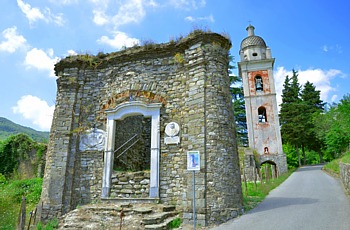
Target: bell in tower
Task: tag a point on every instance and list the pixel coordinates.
(258, 84)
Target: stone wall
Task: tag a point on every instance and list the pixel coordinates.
(344, 170)
(90, 177)
(190, 79)
(130, 184)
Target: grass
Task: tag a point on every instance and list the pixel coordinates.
(253, 195)
(11, 193)
(346, 158)
(52, 224)
(333, 166)
(175, 223)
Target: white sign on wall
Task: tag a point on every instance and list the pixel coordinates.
(193, 161)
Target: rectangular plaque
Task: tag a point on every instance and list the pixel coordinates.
(172, 140)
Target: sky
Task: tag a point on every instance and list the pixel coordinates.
(310, 36)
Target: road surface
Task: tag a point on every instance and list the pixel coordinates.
(308, 199)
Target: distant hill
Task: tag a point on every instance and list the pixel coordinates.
(8, 128)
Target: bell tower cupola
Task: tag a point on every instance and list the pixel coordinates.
(254, 47)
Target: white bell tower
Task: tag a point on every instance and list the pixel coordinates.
(256, 69)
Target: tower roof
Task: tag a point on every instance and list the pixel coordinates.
(252, 40)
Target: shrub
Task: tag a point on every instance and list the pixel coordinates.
(2, 179)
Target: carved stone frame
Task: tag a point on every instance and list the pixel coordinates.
(118, 113)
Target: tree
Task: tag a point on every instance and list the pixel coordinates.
(333, 128)
(311, 105)
(291, 112)
(238, 106)
(240, 119)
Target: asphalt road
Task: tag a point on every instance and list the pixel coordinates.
(308, 199)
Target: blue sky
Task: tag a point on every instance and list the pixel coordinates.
(308, 35)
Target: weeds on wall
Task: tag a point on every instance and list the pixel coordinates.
(179, 58)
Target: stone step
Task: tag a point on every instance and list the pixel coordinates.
(143, 210)
(161, 226)
(169, 208)
(157, 218)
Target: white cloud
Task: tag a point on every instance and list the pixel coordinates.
(188, 4)
(333, 48)
(152, 3)
(13, 40)
(36, 110)
(100, 18)
(126, 12)
(119, 40)
(325, 48)
(320, 78)
(72, 53)
(41, 60)
(209, 18)
(64, 2)
(34, 14)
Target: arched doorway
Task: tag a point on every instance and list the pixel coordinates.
(124, 110)
(268, 170)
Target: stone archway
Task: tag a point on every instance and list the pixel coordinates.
(120, 112)
(268, 169)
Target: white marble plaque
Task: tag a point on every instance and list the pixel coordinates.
(92, 139)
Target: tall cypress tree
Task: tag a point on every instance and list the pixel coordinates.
(311, 106)
(291, 112)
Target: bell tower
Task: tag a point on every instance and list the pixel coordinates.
(256, 69)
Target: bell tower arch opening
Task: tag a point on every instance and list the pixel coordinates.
(262, 114)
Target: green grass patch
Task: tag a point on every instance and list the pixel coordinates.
(11, 193)
(333, 166)
(175, 223)
(346, 158)
(254, 194)
(52, 224)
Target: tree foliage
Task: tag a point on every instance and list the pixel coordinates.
(238, 107)
(299, 107)
(333, 128)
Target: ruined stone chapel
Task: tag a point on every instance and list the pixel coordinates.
(124, 123)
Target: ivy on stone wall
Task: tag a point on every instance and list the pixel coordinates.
(19, 149)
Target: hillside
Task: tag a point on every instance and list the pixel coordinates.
(8, 128)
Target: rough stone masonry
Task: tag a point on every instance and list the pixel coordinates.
(188, 81)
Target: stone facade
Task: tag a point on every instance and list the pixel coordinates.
(256, 70)
(189, 84)
(344, 170)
